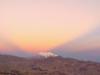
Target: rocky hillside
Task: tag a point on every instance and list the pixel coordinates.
(11, 65)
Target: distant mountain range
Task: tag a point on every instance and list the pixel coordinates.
(86, 47)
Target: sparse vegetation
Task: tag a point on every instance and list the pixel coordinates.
(49, 66)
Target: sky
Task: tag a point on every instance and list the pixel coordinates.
(39, 25)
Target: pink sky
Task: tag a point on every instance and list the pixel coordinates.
(38, 25)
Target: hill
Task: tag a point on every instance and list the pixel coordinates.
(48, 66)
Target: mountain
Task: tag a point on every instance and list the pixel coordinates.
(48, 66)
(10, 48)
(17, 52)
(47, 54)
(10, 58)
(86, 47)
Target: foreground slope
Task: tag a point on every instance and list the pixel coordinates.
(47, 66)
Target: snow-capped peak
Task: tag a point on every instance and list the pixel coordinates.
(47, 54)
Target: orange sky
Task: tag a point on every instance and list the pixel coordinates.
(41, 25)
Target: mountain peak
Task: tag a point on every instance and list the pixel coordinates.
(48, 54)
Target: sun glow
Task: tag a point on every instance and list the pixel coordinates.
(40, 26)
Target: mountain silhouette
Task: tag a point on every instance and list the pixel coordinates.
(86, 47)
(12, 49)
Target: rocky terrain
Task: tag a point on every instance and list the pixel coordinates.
(12, 65)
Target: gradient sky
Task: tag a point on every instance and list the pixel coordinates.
(39, 25)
